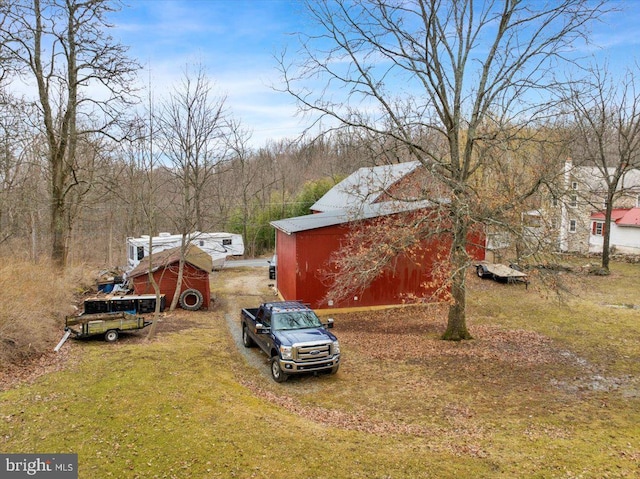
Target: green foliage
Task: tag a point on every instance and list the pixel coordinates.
(254, 224)
(311, 192)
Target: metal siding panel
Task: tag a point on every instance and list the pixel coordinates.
(306, 254)
(314, 250)
(286, 269)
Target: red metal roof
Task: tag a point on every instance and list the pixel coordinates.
(621, 216)
(631, 218)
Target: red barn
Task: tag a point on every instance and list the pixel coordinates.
(195, 291)
(305, 244)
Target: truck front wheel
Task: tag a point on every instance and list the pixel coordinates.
(246, 339)
(276, 371)
(111, 336)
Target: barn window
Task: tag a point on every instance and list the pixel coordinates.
(573, 226)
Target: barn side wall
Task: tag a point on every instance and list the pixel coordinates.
(286, 269)
(167, 279)
(305, 261)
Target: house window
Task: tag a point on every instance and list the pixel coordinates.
(554, 223)
(598, 228)
(574, 185)
(554, 201)
(572, 226)
(573, 201)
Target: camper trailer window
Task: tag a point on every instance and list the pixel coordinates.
(201, 242)
(140, 252)
(226, 242)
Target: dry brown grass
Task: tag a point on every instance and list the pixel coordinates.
(34, 298)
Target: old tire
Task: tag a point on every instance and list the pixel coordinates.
(111, 336)
(246, 339)
(276, 371)
(191, 300)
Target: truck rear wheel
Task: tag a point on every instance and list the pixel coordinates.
(276, 371)
(111, 336)
(246, 339)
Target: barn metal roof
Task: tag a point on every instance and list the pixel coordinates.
(365, 185)
(338, 217)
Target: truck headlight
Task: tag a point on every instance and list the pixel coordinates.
(336, 347)
(285, 352)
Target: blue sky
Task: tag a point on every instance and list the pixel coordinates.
(236, 40)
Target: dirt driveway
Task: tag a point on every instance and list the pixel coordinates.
(244, 288)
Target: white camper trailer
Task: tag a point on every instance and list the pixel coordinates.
(218, 245)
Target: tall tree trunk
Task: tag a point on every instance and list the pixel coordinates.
(607, 233)
(457, 322)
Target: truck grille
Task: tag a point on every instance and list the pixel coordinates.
(312, 351)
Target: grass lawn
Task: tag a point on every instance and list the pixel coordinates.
(549, 388)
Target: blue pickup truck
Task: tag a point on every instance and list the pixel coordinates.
(293, 337)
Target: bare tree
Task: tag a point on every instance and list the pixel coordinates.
(192, 134)
(465, 75)
(62, 48)
(606, 115)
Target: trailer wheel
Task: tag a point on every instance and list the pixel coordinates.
(191, 300)
(276, 371)
(111, 336)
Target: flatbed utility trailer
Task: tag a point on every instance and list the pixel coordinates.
(501, 272)
(107, 324)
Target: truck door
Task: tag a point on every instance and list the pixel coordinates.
(264, 317)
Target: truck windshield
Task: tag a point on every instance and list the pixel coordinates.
(294, 320)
